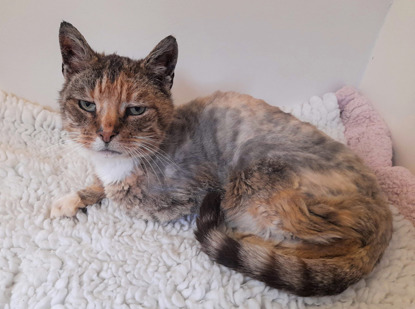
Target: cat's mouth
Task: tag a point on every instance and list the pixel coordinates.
(108, 152)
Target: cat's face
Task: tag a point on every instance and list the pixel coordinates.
(112, 105)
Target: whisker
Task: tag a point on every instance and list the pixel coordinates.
(152, 168)
(144, 157)
(131, 154)
(162, 155)
(68, 148)
(154, 161)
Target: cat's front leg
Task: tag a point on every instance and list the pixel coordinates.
(68, 205)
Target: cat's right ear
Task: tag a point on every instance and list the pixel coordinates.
(161, 62)
(76, 53)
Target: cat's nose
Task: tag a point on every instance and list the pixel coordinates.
(107, 136)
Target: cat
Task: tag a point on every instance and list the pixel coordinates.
(276, 199)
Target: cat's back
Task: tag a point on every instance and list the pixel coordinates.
(230, 105)
(232, 120)
(242, 114)
(235, 130)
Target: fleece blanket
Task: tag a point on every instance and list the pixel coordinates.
(105, 259)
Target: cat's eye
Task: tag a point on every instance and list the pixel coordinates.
(87, 106)
(136, 110)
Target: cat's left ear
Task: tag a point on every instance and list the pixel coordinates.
(161, 62)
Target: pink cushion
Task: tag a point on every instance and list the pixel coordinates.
(368, 135)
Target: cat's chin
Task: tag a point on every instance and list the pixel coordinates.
(112, 168)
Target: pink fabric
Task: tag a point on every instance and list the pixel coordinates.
(368, 135)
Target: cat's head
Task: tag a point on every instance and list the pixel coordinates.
(113, 105)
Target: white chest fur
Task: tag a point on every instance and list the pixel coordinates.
(112, 169)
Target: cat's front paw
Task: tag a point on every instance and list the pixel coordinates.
(66, 206)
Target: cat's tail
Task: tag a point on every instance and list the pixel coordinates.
(299, 270)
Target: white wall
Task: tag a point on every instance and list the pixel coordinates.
(279, 50)
(390, 79)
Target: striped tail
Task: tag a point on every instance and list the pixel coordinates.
(295, 270)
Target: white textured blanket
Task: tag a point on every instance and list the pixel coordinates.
(104, 259)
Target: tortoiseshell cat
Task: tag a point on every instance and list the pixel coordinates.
(277, 199)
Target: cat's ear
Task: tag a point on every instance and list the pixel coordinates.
(76, 53)
(161, 62)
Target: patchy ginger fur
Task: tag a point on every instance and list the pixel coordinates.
(277, 199)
